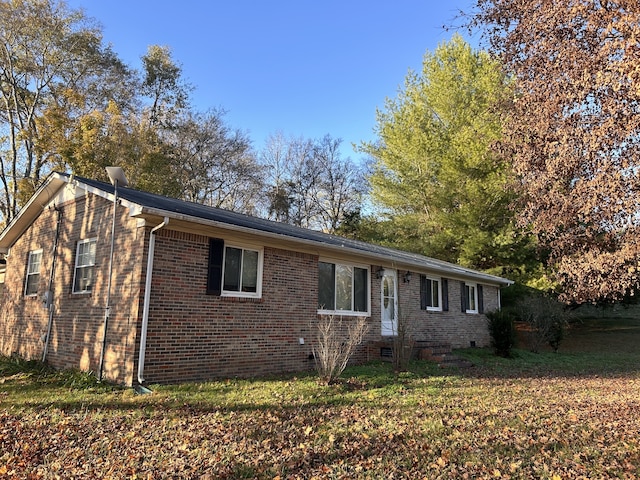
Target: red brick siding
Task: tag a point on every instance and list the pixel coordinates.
(76, 337)
(191, 335)
(453, 326)
(195, 336)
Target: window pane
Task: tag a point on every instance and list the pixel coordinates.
(250, 271)
(344, 286)
(232, 259)
(326, 286)
(388, 297)
(34, 262)
(471, 297)
(435, 293)
(84, 279)
(360, 289)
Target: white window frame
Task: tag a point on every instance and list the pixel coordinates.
(439, 280)
(30, 273)
(468, 287)
(351, 312)
(233, 293)
(87, 265)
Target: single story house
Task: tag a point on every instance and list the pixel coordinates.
(145, 288)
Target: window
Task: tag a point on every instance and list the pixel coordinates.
(33, 273)
(85, 264)
(343, 288)
(234, 270)
(472, 301)
(3, 269)
(430, 294)
(240, 273)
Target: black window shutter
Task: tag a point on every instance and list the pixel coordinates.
(480, 300)
(445, 295)
(463, 296)
(423, 292)
(214, 275)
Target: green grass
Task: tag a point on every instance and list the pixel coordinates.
(572, 414)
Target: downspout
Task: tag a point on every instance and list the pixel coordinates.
(48, 300)
(147, 299)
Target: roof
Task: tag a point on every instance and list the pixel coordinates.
(151, 204)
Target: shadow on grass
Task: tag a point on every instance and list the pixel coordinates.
(587, 352)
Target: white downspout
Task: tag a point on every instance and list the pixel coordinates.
(147, 299)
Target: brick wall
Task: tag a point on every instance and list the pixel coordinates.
(195, 336)
(454, 327)
(191, 335)
(77, 329)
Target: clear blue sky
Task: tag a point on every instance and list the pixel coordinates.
(305, 68)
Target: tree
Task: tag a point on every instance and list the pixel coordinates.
(164, 86)
(433, 169)
(52, 62)
(309, 183)
(574, 133)
(215, 164)
(341, 184)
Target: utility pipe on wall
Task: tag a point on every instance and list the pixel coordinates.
(48, 301)
(147, 299)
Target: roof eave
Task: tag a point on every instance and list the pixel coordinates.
(29, 212)
(459, 272)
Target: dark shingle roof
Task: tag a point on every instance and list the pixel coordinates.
(196, 212)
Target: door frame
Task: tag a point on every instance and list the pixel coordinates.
(389, 327)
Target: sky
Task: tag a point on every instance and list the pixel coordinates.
(303, 68)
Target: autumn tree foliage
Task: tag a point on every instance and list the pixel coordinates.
(573, 133)
(54, 69)
(68, 103)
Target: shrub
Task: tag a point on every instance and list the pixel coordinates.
(402, 345)
(332, 350)
(546, 318)
(502, 331)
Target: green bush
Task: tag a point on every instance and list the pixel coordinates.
(502, 331)
(546, 318)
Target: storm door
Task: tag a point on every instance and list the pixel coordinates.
(389, 303)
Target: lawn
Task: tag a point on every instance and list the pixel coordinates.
(574, 414)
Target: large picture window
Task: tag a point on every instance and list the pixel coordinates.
(343, 288)
(83, 276)
(33, 273)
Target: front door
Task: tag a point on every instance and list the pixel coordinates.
(389, 303)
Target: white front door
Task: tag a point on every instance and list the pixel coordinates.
(389, 303)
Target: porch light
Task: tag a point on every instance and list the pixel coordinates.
(407, 277)
(380, 273)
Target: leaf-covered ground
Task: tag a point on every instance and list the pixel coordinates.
(563, 416)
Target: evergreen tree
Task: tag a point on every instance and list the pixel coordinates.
(434, 171)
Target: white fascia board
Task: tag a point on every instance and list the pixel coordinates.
(430, 265)
(28, 213)
(134, 208)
